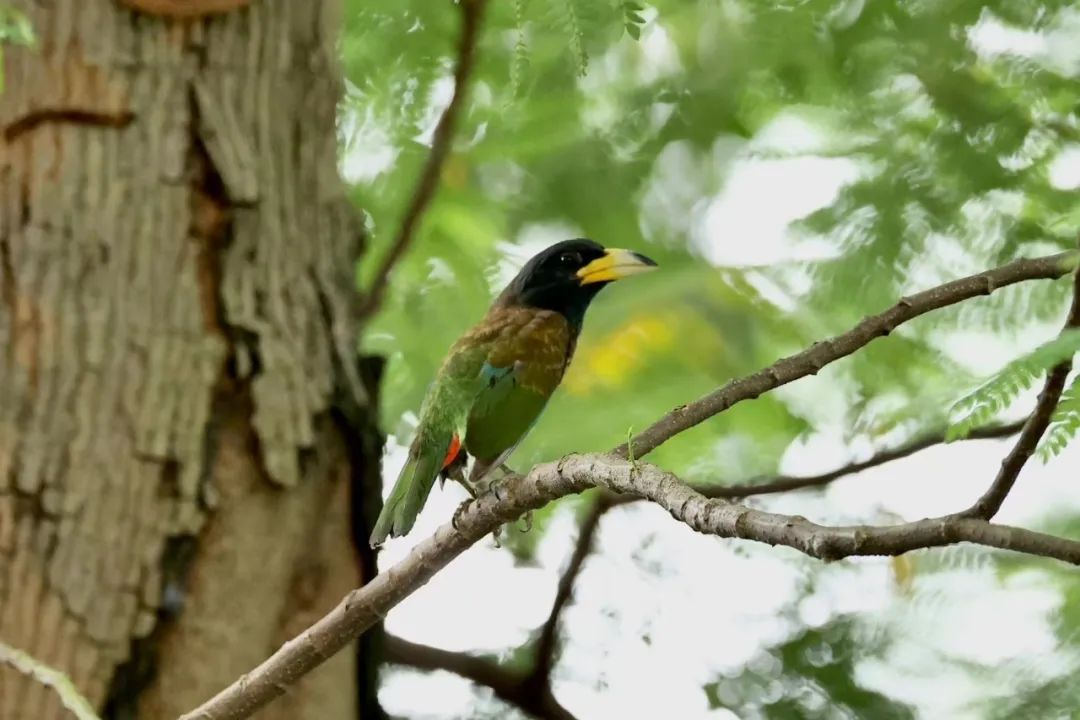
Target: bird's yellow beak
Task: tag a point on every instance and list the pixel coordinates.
(615, 264)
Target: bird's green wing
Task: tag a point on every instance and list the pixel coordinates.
(521, 371)
(442, 418)
(504, 411)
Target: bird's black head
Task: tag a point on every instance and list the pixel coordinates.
(566, 277)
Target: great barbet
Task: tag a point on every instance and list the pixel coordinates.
(498, 376)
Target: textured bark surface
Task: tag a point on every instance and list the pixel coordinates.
(185, 8)
(176, 290)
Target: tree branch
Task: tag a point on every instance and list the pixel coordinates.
(787, 483)
(545, 644)
(531, 693)
(988, 505)
(365, 606)
(475, 669)
(813, 359)
(509, 687)
(472, 12)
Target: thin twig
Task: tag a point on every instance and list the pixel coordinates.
(472, 12)
(540, 676)
(363, 607)
(990, 502)
(813, 359)
(787, 483)
(58, 682)
(505, 685)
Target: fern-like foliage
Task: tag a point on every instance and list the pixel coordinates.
(981, 406)
(520, 61)
(1065, 425)
(579, 27)
(632, 19)
(572, 27)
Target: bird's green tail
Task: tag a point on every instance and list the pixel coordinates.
(412, 488)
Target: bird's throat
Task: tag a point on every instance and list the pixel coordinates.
(569, 301)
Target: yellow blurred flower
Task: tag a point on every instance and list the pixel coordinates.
(611, 360)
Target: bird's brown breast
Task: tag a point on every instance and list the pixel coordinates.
(537, 343)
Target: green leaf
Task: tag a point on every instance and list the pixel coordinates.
(1064, 425)
(981, 406)
(58, 682)
(15, 27)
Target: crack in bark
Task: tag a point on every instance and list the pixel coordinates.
(8, 288)
(185, 9)
(33, 120)
(137, 673)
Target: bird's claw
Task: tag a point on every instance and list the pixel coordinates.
(528, 518)
(456, 519)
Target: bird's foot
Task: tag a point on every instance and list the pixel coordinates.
(527, 525)
(473, 487)
(456, 519)
(456, 472)
(455, 522)
(487, 485)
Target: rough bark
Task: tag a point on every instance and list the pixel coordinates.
(176, 351)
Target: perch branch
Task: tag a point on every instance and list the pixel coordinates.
(365, 606)
(988, 505)
(472, 12)
(532, 693)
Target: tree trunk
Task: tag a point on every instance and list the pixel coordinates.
(183, 424)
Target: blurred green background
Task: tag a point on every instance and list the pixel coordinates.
(793, 166)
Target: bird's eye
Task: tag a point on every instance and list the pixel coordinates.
(569, 259)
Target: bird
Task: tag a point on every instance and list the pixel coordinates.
(497, 378)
